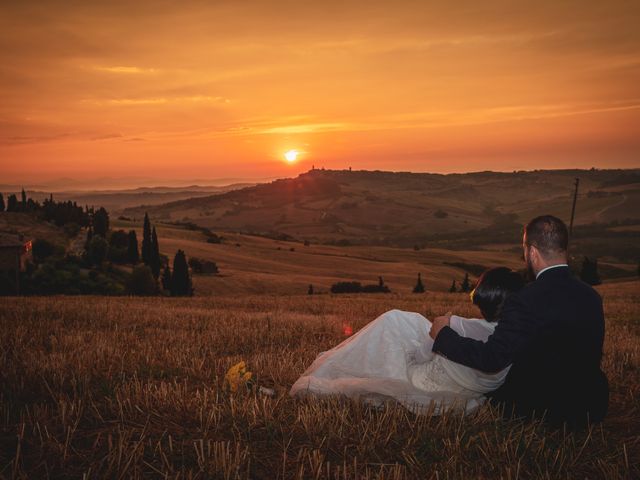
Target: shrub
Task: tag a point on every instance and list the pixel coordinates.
(118, 255)
(119, 239)
(357, 287)
(375, 288)
(214, 239)
(202, 266)
(141, 281)
(43, 249)
(97, 250)
(346, 287)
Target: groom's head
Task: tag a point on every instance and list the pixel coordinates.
(545, 242)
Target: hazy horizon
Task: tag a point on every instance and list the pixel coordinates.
(66, 184)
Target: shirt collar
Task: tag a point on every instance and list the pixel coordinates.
(549, 268)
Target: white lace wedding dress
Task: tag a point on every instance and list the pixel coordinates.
(378, 364)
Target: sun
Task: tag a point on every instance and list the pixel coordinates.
(291, 156)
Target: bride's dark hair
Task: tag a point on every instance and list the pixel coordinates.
(492, 288)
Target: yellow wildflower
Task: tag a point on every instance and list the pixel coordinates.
(237, 375)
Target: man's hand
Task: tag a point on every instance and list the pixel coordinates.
(438, 324)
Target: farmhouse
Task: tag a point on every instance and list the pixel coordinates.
(15, 252)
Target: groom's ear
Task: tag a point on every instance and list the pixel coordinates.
(535, 254)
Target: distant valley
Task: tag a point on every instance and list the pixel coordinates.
(405, 209)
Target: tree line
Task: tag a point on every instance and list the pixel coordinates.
(95, 267)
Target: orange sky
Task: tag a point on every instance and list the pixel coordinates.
(175, 91)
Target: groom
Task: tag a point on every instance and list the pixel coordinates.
(551, 333)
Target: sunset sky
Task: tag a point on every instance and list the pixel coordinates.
(169, 92)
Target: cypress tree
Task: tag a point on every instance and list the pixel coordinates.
(155, 254)
(453, 288)
(166, 278)
(310, 291)
(89, 237)
(101, 222)
(12, 203)
(180, 279)
(23, 199)
(466, 285)
(146, 241)
(97, 250)
(133, 255)
(1, 203)
(419, 288)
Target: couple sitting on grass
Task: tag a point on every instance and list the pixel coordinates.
(535, 353)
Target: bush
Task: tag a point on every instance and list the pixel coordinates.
(202, 266)
(97, 250)
(440, 214)
(346, 287)
(357, 287)
(213, 238)
(43, 249)
(119, 239)
(141, 281)
(118, 255)
(375, 288)
(64, 277)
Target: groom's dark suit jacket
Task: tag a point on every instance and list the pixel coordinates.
(552, 333)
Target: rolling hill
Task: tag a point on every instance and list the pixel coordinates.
(404, 209)
(116, 200)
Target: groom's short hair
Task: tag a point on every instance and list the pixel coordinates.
(548, 234)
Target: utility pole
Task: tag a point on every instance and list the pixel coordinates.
(573, 209)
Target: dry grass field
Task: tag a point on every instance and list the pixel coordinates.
(251, 264)
(106, 387)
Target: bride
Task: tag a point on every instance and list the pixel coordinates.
(391, 358)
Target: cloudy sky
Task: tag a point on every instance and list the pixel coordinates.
(185, 90)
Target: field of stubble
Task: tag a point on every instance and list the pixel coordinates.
(100, 387)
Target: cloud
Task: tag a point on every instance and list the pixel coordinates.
(125, 70)
(158, 100)
(303, 128)
(107, 136)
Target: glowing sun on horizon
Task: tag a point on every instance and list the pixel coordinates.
(291, 156)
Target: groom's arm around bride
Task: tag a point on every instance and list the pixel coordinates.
(551, 332)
